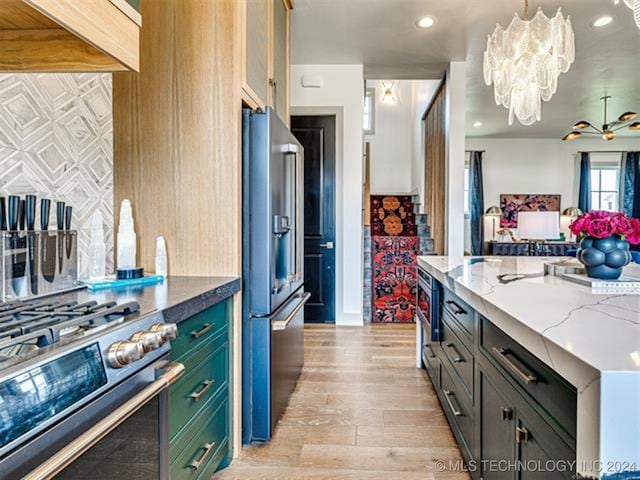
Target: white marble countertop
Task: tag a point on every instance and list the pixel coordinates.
(603, 331)
(591, 340)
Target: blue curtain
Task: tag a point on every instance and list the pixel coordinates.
(630, 183)
(634, 159)
(584, 196)
(476, 207)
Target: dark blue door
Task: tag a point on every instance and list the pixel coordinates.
(317, 134)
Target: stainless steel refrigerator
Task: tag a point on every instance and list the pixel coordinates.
(273, 282)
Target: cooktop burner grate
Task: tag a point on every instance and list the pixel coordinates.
(26, 326)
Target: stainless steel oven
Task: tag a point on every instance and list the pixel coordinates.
(83, 391)
(121, 435)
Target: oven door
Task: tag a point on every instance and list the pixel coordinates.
(122, 434)
(427, 306)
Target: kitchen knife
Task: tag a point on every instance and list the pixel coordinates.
(12, 212)
(32, 244)
(45, 207)
(47, 243)
(21, 215)
(68, 241)
(3, 213)
(60, 215)
(18, 260)
(30, 211)
(60, 208)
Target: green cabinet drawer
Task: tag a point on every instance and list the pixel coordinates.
(199, 328)
(206, 373)
(460, 311)
(207, 443)
(460, 357)
(458, 409)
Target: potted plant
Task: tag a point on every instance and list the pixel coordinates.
(606, 236)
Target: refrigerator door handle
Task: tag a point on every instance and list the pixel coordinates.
(283, 324)
(290, 148)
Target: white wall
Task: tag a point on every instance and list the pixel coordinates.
(391, 143)
(536, 166)
(455, 157)
(343, 92)
(397, 146)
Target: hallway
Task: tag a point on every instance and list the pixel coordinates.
(361, 411)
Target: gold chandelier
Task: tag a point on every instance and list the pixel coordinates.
(608, 130)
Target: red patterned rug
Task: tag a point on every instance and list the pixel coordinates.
(394, 279)
(393, 216)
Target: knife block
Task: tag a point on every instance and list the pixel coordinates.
(37, 263)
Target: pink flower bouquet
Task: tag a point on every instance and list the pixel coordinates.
(600, 224)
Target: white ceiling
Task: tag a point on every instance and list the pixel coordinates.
(381, 34)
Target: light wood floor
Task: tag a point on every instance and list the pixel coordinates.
(361, 411)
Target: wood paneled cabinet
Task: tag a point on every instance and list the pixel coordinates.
(266, 51)
(69, 35)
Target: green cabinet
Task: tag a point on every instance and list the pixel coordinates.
(199, 403)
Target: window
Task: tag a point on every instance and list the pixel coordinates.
(369, 117)
(605, 181)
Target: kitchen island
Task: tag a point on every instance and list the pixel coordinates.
(559, 345)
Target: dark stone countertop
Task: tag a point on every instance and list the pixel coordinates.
(178, 298)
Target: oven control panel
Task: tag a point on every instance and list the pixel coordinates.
(125, 352)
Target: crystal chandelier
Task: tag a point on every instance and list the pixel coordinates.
(635, 6)
(525, 60)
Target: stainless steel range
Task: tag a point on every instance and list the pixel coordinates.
(83, 390)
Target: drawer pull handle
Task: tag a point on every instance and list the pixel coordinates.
(456, 411)
(206, 385)
(501, 354)
(458, 309)
(522, 435)
(430, 350)
(507, 414)
(457, 357)
(205, 328)
(208, 448)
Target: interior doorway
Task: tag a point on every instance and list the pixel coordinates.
(317, 134)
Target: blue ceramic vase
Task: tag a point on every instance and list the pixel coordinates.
(604, 258)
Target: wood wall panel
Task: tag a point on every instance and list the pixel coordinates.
(435, 168)
(177, 146)
(177, 127)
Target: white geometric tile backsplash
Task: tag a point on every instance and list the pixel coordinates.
(56, 141)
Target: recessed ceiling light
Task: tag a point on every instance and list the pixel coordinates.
(477, 124)
(602, 21)
(426, 22)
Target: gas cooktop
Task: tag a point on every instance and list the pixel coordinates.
(26, 327)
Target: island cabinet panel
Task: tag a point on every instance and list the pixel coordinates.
(199, 403)
(515, 433)
(503, 403)
(550, 391)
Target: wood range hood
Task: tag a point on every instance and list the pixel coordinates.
(69, 36)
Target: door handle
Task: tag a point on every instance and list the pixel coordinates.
(328, 245)
(280, 325)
